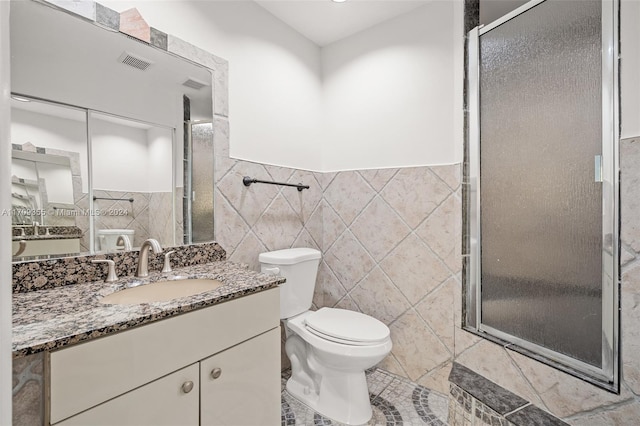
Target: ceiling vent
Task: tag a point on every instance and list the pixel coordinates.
(194, 84)
(134, 61)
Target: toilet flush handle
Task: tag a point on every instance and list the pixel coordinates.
(273, 270)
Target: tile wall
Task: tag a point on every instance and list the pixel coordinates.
(149, 215)
(390, 242)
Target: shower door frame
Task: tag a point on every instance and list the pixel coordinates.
(606, 377)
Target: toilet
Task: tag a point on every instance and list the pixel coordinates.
(329, 349)
(108, 239)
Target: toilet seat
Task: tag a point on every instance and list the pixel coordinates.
(346, 327)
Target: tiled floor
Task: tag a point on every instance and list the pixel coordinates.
(395, 400)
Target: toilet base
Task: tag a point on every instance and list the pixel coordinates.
(343, 397)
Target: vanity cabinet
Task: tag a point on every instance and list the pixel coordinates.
(41, 247)
(163, 402)
(161, 373)
(230, 379)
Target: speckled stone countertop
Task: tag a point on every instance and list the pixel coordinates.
(45, 237)
(54, 318)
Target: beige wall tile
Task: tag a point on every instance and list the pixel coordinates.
(230, 228)
(414, 268)
(415, 346)
(347, 303)
(377, 178)
(250, 202)
(437, 379)
(391, 364)
(332, 228)
(277, 173)
(328, 289)
(348, 194)
(442, 232)
(303, 202)
(625, 414)
(414, 193)
(379, 229)
(248, 251)
(305, 240)
(463, 340)
(436, 310)
(630, 192)
(630, 330)
(450, 174)
(563, 394)
(349, 260)
(377, 296)
(314, 225)
(279, 225)
(492, 361)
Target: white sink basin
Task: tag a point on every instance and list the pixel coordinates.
(160, 291)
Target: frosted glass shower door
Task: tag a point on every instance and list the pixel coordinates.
(202, 182)
(540, 193)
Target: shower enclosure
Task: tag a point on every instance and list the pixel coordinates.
(198, 193)
(543, 174)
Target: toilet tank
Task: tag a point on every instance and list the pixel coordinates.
(300, 267)
(107, 238)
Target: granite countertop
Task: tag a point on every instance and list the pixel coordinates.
(45, 237)
(50, 319)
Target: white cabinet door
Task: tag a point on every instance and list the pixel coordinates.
(247, 389)
(88, 374)
(171, 400)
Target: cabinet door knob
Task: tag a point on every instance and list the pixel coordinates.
(187, 386)
(216, 372)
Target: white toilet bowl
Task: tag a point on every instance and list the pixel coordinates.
(329, 349)
(328, 370)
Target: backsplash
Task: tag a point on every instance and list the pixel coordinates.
(44, 274)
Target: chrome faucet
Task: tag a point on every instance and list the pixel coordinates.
(143, 256)
(124, 242)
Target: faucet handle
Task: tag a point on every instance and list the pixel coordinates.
(167, 261)
(111, 275)
(22, 245)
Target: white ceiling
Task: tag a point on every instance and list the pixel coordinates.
(324, 22)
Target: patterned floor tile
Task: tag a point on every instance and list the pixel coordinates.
(395, 401)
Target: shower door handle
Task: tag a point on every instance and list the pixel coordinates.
(598, 168)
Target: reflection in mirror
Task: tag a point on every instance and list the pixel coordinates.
(47, 177)
(133, 182)
(200, 139)
(84, 68)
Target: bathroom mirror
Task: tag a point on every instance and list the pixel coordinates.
(133, 182)
(82, 76)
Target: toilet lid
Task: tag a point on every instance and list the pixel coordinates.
(349, 326)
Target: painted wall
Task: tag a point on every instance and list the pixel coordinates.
(274, 84)
(43, 130)
(389, 93)
(387, 97)
(122, 151)
(630, 83)
(159, 157)
(131, 159)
